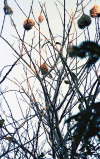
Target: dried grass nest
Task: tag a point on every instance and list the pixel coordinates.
(95, 11)
(28, 24)
(84, 21)
(40, 18)
(70, 50)
(7, 9)
(44, 68)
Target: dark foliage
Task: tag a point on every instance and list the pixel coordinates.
(87, 126)
(87, 49)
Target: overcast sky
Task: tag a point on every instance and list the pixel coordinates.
(7, 55)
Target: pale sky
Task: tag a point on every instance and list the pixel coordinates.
(7, 54)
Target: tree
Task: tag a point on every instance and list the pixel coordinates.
(58, 95)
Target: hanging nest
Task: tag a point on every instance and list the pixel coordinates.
(73, 51)
(44, 68)
(40, 18)
(70, 50)
(7, 9)
(84, 21)
(95, 11)
(28, 24)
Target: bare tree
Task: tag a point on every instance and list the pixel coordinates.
(58, 97)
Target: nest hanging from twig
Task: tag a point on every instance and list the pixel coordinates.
(40, 18)
(44, 68)
(84, 21)
(7, 9)
(70, 50)
(28, 24)
(95, 11)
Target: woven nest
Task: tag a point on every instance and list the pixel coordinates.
(70, 49)
(40, 18)
(95, 11)
(84, 21)
(44, 68)
(28, 24)
(7, 10)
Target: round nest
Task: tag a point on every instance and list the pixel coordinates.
(40, 18)
(28, 24)
(95, 11)
(70, 49)
(44, 68)
(84, 21)
(7, 10)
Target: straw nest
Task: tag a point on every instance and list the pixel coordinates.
(40, 18)
(28, 24)
(44, 68)
(70, 49)
(95, 11)
(7, 10)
